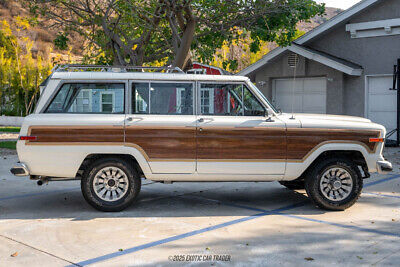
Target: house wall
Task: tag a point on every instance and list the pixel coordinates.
(345, 93)
(279, 68)
(377, 55)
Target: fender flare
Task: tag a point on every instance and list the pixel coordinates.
(295, 168)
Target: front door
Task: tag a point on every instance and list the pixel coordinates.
(162, 125)
(233, 135)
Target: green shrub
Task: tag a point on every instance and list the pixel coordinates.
(9, 144)
(10, 129)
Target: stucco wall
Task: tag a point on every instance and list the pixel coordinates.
(376, 55)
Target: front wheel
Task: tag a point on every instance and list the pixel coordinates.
(110, 184)
(334, 184)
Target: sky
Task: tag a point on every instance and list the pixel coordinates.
(343, 4)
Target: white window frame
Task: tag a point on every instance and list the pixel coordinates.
(211, 99)
(80, 96)
(179, 99)
(139, 102)
(101, 100)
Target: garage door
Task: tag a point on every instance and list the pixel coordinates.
(309, 95)
(382, 102)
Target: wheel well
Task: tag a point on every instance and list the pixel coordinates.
(92, 157)
(355, 156)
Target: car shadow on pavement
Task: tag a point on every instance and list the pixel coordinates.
(177, 200)
(158, 201)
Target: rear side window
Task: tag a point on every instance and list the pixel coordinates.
(162, 98)
(89, 98)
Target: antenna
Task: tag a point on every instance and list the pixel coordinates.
(293, 61)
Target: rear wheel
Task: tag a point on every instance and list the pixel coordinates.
(110, 184)
(334, 184)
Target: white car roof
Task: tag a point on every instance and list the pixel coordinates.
(148, 76)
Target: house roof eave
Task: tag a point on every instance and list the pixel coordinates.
(313, 34)
(348, 68)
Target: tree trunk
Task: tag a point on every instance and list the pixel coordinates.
(181, 56)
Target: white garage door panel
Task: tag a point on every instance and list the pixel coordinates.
(382, 102)
(315, 85)
(287, 102)
(309, 95)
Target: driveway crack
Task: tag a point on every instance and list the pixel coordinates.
(40, 250)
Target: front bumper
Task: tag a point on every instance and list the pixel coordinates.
(384, 166)
(20, 169)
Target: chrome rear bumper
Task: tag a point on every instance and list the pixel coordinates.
(19, 169)
(384, 166)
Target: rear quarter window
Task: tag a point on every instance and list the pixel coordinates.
(104, 98)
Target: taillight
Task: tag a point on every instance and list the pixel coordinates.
(377, 140)
(27, 138)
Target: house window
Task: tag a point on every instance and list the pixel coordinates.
(83, 102)
(207, 100)
(107, 102)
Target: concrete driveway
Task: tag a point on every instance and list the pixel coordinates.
(215, 224)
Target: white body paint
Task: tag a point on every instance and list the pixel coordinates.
(65, 160)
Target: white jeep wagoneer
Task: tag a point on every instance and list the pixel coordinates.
(109, 127)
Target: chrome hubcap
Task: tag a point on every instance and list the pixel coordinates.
(110, 184)
(336, 184)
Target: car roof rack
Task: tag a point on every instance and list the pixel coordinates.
(104, 68)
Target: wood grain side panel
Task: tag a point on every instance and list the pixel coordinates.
(70, 134)
(245, 143)
(213, 143)
(164, 143)
(301, 141)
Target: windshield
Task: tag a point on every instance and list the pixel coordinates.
(263, 96)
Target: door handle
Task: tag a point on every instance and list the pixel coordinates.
(205, 119)
(200, 129)
(130, 119)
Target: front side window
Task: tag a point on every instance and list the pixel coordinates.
(228, 100)
(89, 98)
(162, 98)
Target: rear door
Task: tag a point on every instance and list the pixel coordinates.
(234, 136)
(162, 125)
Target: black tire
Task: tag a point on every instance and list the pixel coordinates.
(131, 180)
(293, 185)
(313, 183)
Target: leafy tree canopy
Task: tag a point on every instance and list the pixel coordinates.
(173, 32)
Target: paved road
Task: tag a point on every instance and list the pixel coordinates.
(242, 223)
